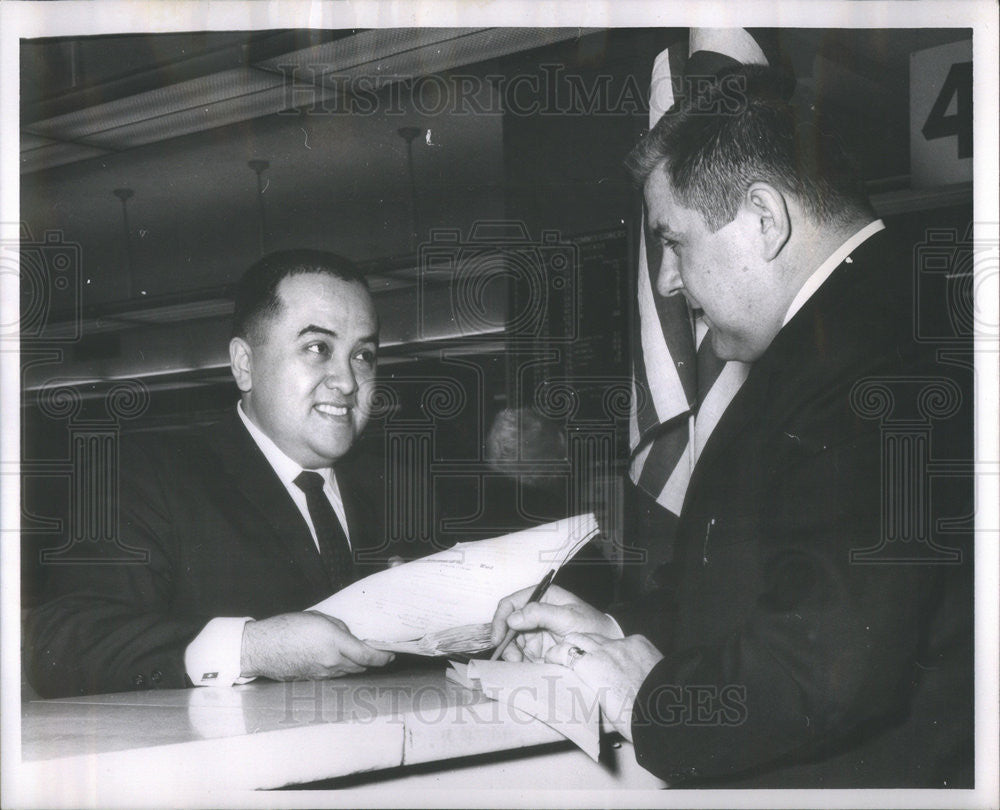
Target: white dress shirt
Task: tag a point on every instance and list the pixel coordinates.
(213, 657)
(288, 470)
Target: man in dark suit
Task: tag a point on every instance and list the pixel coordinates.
(806, 645)
(240, 527)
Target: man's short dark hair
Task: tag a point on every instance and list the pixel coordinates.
(744, 130)
(256, 294)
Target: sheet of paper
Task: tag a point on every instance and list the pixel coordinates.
(548, 692)
(458, 672)
(459, 586)
(468, 638)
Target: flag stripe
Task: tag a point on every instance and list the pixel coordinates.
(664, 454)
(709, 367)
(665, 388)
(716, 401)
(643, 415)
(674, 363)
(674, 324)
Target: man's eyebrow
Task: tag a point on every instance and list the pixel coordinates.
(311, 328)
(322, 330)
(662, 229)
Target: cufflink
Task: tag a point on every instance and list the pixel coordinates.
(209, 676)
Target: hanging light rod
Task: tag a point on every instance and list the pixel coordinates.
(409, 134)
(260, 166)
(126, 194)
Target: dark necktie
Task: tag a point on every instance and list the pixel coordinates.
(334, 549)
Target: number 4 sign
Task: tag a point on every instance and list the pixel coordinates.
(941, 115)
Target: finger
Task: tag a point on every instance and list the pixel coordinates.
(375, 658)
(505, 607)
(560, 653)
(345, 667)
(557, 619)
(513, 653)
(535, 657)
(588, 642)
(352, 648)
(560, 596)
(357, 652)
(498, 627)
(332, 619)
(583, 643)
(534, 646)
(528, 645)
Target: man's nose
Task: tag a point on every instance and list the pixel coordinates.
(668, 280)
(340, 376)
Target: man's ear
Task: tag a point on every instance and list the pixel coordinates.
(771, 223)
(241, 363)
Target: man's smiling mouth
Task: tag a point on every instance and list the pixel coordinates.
(331, 410)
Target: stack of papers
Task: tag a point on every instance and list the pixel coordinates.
(468, 638)
(443, 603)
(548, 692)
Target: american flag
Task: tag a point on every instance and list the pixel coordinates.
(680, 388)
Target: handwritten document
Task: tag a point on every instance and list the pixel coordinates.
(443, 603)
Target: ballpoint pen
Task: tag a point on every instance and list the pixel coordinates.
(536, 595)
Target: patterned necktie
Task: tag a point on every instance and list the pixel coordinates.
(334, 549)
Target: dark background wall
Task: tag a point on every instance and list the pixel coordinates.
(537, 143)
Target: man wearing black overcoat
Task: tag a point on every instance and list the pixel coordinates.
(819, 629)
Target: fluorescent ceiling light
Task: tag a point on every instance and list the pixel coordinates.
(267, 87)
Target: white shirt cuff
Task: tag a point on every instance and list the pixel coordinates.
(213, 658)
(618, 627)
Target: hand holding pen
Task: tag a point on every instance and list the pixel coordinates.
(536, 596)
(544, 624)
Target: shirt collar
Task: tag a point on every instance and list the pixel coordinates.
(823, 272)
(285, 468)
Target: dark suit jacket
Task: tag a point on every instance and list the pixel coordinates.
(787, 664)
(220, 536)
